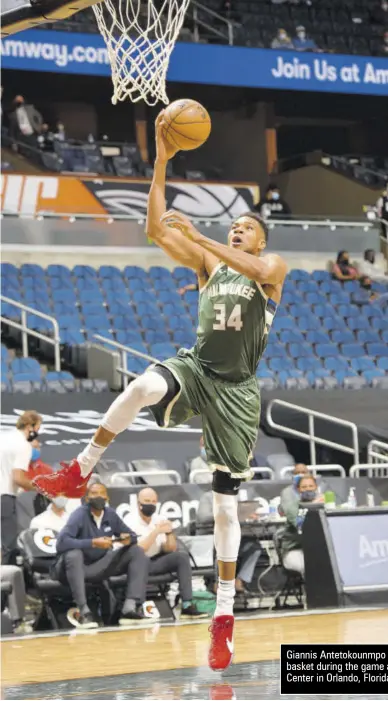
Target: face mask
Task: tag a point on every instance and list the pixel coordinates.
(302, 35)
(147, 509)
(203, 453)
(282, 37)
(97, 503)
(60, 502)
(275, 195)
(32, 435)
(35, 454)
(309, 495)
(295, 479)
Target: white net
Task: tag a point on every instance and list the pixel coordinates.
(140, 36)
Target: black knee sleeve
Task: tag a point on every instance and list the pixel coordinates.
(172, 384)
(223, 483)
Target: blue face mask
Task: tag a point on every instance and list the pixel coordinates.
(35, 455)
(309, 495)
(203, 454)
(275, 195)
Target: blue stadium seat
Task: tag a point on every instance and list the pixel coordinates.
(323, 311)
(307, 286)
(84, 271)
(61, 308)
(109, 271)
(105, 332)
(121, 307)
(292, 298)
(114, 285)
(165, 283)
(298, 310)
(32, 269)
(321, 275)
(190, 297)
(345, 336)
(329, 286)
(184, 338)
(300, 350)
(382, 363)
(72, 337)
(362, 364)
(160, 336)
(375, 310)
(93, 296)
(136, 365)
(9, 269)
(332, 323)
(281, 323)
(66, 379)
(152, 322)
(317, 337)
(352, 285)
(360, 297)
(161, 351)
(28, 366)
(123, 323)
(342, 374)
(380, 350)
(326, 350)
(348, 310)
(134, 271)
(311, 364)
(61, 283)
(129, 336)
(315, 298)
(58, 271)
(150, 308)
(291, 336)
(352, 350)
(10, 310)
(143, 296)
(336, 364)
(31, 295)
(38, 323)
(180, 322)
(4, 354)
(135, 284)
(179, 272)
(337, 298)
(309, 323)
(139, 346)
(64, 296)
(379, 323)
(88, 308)
(169, 308)
(275, 350)
(384, 337)
(371, 375)
(278, 364)
(297, 274)
(358, 323)
(158, 272)
(370, 336)
(96, 321)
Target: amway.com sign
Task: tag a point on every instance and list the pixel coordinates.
(372, 552)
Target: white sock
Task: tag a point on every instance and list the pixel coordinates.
(225, 597)
(146, 390)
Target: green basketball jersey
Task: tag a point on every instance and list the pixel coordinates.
(235, 317)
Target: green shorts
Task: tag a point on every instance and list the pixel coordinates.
(230, 413)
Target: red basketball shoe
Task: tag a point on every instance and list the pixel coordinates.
(67, 482)
(221, 645)
(222, 692)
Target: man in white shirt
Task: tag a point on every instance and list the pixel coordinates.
(15, 457)
(368, 266)
(156, 538)
(56, 514)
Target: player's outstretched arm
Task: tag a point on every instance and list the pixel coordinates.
(270, 270)
(170, 239)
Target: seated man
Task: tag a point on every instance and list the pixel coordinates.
(291, 492)
(90, 548)
(200, 463)
(156, 538)
(56, 515)
(307, 492)
(17, 598)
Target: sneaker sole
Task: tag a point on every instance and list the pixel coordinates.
(85, 626)
(127, 622)
(198, 615)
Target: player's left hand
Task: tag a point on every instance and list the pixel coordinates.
(179, 221)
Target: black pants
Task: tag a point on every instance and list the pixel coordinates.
(9, 529)
(131, 560)
(175, 563)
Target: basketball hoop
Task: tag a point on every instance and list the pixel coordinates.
(140, 39)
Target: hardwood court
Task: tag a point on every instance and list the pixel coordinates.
(173, 647)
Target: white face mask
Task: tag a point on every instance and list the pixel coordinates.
(282, 36)
(60, 502)
(302, 35)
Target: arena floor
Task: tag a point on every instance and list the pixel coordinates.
(168, 661)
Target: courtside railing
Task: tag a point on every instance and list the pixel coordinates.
(377, 452)
(124, 350)
(53, 340)
(369, 470)
(116, 477)
(285, 472)
(311, 436)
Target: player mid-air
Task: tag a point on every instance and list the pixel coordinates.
(239, 293)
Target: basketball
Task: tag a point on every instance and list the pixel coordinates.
(188, 124)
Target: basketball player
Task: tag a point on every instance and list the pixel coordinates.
(239, 292)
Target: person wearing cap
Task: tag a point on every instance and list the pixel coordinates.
(282, 40)
(302, 42)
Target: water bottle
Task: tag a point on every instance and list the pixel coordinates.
(352, 500)
(273, 510)
(370, 499)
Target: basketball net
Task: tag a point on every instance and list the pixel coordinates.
(140, 39)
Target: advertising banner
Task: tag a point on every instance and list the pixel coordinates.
(67, 52)
(32, 194)
(361, 548)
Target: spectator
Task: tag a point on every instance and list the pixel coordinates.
(291, 543)
(56, 515)
(94, 545)
(282, 40)
(200, 463)
(342, 270)
(15, 457)
(382, 212)
(17, 598)
(25, 122)
(368, 267)
(380, 13)
(292, 490)
(191, 286)
(366, 284)
(158, 541)
(272, 205)
(60, 134)
(302, 42)
(45, 138)
(384, 45)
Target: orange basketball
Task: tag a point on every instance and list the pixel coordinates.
(188, 124)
